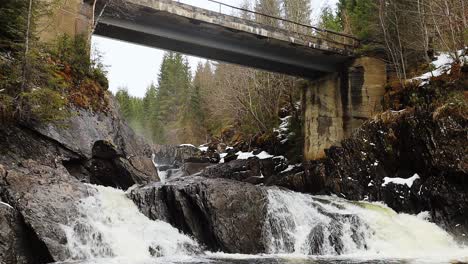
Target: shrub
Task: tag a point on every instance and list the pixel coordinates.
(44, 104)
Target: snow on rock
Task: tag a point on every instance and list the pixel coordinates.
(5, 204)
(244, 155)
(247, 155)
(401, 181)
(186, 145)
(441, 65)
(203, 148)
(222, 156)
(264, 155)
(290, 168)
(283, 127)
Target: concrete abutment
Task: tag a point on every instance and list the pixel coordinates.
(338, 103)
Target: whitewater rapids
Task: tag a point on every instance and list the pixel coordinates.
(298, 226)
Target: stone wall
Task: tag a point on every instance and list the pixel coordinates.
(338, 103)
(71, 17)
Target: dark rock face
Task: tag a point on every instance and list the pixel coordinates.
(103, 149)
(178, 155)
(109, 168)
(222, 214)
(20, 244)
(270, 171)
(42, 170)
(45, 197)
(90, 145)
(399, 144)
(239, 170)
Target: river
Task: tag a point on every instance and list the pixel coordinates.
(299, 229)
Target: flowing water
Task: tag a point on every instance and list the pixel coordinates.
(299, 229)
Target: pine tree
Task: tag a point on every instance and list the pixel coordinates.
(330, 21)
(123, 98)
(298, 11)
(268, 7)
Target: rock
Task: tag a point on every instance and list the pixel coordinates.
(255, 180)
(46, 199)
(83, 128)
(222, 214)
(109, 168)
(103, 149)
(238, 170)
(190, 168)
(230, 157)
(399, 144)
(13, 248)
(118, 173)
(177, 155)
(84, 136)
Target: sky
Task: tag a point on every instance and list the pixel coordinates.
(136, 67)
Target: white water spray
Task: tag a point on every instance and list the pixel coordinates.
(325, 225)
(110, 226)
(162, 174)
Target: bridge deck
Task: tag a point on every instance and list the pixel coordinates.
(183, 28)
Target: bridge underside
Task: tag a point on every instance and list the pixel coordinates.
(165, 30)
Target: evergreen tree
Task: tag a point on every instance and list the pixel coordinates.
(268, 7)
(298, 11)
(330, 21)
(360, 18)
(123, 98)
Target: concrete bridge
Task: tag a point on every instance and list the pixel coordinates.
(191, 30)
(344, 90)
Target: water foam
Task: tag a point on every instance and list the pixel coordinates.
(111, 226)
(325, 225)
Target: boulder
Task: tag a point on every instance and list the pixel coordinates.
(109, 168)
(239, 170)
(46, 198)
(191, 168)
(19, 244)
(74, 142)
(222, 214)
(399, 145)
(103, 149)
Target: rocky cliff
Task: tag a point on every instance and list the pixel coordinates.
(43, 169)
(414, 158)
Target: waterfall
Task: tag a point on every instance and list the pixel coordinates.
(111, 226)
(162, 174)
(325, 225)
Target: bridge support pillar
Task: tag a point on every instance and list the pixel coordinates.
(338, 103)
(70, 17)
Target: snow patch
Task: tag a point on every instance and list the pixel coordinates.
(204, 149)
(247, 155)
(7, 205)
(264, 155)
(289, 168)
(442, 64)
(401, 181)
(186, 145)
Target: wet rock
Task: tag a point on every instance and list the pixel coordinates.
(222, 214)
(178, 155)
(191, 168)
(85, 135)
(399, 144)
(16, 240)
(45, 197)
(109, 168)
(103, 149)
(239, 170)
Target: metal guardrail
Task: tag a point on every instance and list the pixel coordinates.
(348, 41)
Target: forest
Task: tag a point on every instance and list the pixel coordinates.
(226, 102)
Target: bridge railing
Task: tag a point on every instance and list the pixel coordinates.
(316, 36)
